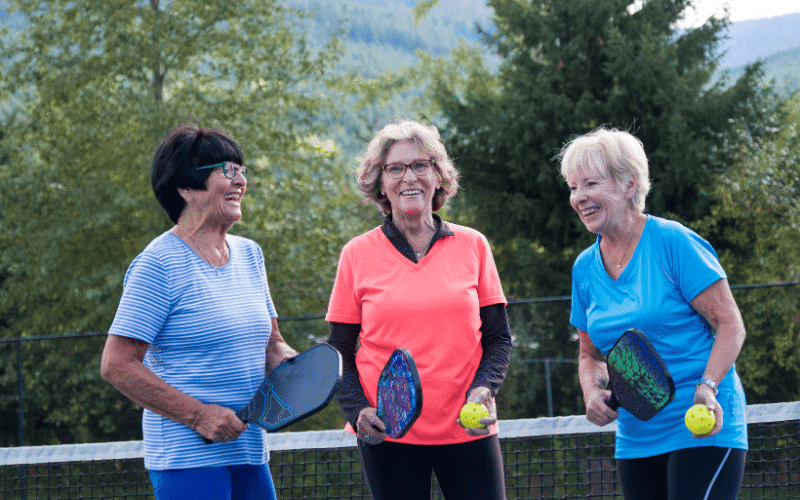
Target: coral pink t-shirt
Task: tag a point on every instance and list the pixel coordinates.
(430, 308)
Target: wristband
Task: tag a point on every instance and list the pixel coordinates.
(710, 383)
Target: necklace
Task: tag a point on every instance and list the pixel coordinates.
(216, 268)
(619, 263)
(202, 252)
(421, 252)
(628, 246)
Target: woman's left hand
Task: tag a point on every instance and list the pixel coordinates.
(278, 351)
(483, 396)
(704, 395)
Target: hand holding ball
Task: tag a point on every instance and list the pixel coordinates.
(471, 413)
(699, 419)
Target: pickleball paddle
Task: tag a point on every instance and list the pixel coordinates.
(399, 393)
(638, 377)
(295, 390)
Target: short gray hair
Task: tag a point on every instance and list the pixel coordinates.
(427, 139)
(611, 152)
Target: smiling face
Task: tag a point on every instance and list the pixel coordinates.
(410, 195)
(222, 199)
(602, 204)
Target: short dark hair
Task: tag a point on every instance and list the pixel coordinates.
(176, 162)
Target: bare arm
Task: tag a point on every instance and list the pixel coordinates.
(122, 367)
(717, 305)
(593, 376)
(278, 350)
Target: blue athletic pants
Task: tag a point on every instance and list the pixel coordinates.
(234, 482)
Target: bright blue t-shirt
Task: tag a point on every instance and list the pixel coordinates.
(208, 330)
(670, 266)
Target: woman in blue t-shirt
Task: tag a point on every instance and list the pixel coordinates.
(196, 328)
(658, 276)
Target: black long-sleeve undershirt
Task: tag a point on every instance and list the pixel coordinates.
(495, 341)
(495, 337)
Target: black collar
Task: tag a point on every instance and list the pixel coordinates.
(401, 243)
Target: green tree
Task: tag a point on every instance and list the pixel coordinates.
(566, 68)
(758, 218)
(98, 85)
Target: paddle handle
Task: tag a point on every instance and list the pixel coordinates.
(612, 402)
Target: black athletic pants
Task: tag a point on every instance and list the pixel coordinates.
(465, 471)
(704, 473)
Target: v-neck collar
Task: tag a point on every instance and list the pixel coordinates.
(401, 244)
(631, 261)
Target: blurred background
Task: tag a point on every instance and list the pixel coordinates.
(89, 89)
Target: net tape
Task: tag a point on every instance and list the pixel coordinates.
(322, 440)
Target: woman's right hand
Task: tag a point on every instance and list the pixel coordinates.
(371, 429)
(597, 410)
(218, 423)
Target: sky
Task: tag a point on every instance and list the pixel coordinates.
(743, 10)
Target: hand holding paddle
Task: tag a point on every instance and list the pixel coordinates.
(399, 393)
(371, 428)
(638, 377)
(399, 401)
(295, 389)
(220, 423)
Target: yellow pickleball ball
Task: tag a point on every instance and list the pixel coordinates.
(471, 413)
(699, 419)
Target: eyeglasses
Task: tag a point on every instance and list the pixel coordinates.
(229, 169)
(398, 170)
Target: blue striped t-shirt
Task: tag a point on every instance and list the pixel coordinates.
(208, 329)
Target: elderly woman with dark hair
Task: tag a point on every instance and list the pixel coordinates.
(420, 283)
(196, 328)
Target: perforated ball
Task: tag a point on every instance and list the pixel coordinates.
(699, 419)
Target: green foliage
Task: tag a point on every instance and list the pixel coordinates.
(758, 218)
(783, 69)
(567, 68)
(97, 85)
(89, 89)
(378, 77)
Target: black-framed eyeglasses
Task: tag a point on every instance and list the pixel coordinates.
(229, 169)
(397, 170)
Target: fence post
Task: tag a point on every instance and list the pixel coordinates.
(549, 387)
(23, 471)
(20, 394)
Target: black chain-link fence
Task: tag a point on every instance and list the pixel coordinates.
(51, 391)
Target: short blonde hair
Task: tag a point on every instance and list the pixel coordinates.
(613, 152)
(427, 138)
